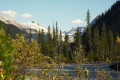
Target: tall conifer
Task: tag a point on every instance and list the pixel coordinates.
(88, 37)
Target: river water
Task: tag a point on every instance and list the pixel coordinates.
(70, 69)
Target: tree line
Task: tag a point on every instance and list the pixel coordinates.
(92, 46)
(18, 54)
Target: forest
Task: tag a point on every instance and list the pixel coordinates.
(20, 53)
(21, 57)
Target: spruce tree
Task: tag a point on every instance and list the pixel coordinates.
(67, 49)
(56, 30)
(60, 43)
(77, 40)
(49, 38)
(88, 37)
(104, 43)
(60, 37)
(54, 44)
(30, 36)
(49, 42)
(96, 43)
(54, 35)
(43, 42)
(111, 45)
(39, 37)
(42, 37)
(78, 55)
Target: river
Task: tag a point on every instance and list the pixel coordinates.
(91, 67)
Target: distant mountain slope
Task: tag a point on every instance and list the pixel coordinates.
(111, 17)
(13, 30)
(72, 32)
(24, 28)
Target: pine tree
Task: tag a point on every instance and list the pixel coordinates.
(111, 45)
(54, 35)
(54, 45)
(49, 42)
(60, 37)
(49, 38)
(67, 49)
(77, 40)
(30, 36)
(42, 37)
(60, 43)
(88, 37)
(56, 30)
(96, 43)
(6, 56)
(104, 43)
(77, 47)
(39, 37)
(43, 45)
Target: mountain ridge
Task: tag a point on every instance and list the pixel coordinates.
(111, 18)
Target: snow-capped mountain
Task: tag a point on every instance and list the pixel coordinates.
(35, 26)
(72, 32)
(25, 27)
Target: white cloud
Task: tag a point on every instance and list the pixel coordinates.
(10, 14)
(77, 21)
(26, 15)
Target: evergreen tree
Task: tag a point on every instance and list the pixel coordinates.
(78, 55)
(60, 37)
(42, 37)
(54, 45)
(30, 36)
(111, 45)
(6, 56)
(49, 38)
(56, 30)
(104, 43)
(88, 37)
(49, 42)
(43, 42)
(39, 37)
(67, 49)
(60, 51)
(77, 40)
(54, 35)
(96, 43)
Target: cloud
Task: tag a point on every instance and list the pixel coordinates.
(26, 15)
(77, 21)
(10, 14)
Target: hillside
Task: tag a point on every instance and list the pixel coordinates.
(111, 18)
(21, 28)
(24, 28)
(13, 30)
(72, 32)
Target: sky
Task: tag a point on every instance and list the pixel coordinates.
(68, 13)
